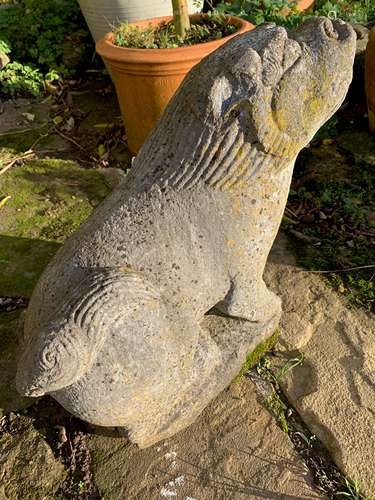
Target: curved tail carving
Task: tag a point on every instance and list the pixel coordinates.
(68, 348)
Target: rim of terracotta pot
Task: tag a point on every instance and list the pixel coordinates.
(157, 60)
(304, 4)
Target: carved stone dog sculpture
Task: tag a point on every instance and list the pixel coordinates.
(117, 329)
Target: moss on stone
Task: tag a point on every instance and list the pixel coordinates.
(49, 200)
(18, 141)
(253, 357)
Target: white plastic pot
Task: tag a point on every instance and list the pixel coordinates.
(102, 15)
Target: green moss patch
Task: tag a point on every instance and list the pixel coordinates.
(22, 261)
(253, 357)
(49, 199)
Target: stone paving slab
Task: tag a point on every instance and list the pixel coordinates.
(334, 389)
(234, 451)
(28, 469)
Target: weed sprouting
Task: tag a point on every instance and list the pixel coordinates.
(327, 476)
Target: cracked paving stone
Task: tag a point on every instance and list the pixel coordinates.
(334, 389)
(234, 451)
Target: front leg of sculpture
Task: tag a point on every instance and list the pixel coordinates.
(117, 328)
(251, 302)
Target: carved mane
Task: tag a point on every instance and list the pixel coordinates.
(224, 137)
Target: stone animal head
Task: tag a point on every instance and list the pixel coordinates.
(257, 100)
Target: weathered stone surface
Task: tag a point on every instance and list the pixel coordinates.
(116, 330)
(233, 451)
(13, 120)
(362, 33)
(334, 389)
(28, 468)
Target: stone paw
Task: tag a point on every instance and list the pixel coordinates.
(258, 304)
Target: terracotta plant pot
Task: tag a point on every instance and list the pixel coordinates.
(305, 4)
(370, 79)
(146, 79)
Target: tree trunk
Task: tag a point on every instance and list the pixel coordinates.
(181, 17)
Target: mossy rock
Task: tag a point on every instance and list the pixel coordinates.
(49, 199)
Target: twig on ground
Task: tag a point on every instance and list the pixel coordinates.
(67, 138)
(337, 270)
(4, 200)
(9, 165)
(291, 212)
(304, 237)
(25, 155)
(22, 131)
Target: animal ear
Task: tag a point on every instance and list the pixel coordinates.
(249, 63)
(220, 92)
(272, 55)
(292, 52)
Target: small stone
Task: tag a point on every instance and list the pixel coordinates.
(30, 117)
(308, 219)
(70, 124)
(4, 60)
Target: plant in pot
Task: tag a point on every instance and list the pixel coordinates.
(100, 15)
(149, 59)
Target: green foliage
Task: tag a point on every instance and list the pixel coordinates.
(334, 211)
(274, 402)
(352, 490)
(38, 30)
(5, 46)
(284, 12)
(260, 11)
(20, 79)
(40, 36)
(164, 35)
(357, 11)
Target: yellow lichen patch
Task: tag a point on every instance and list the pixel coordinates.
(231, 243)
(126, 269)
(240, 251)
(315, 105)
(281, 118)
